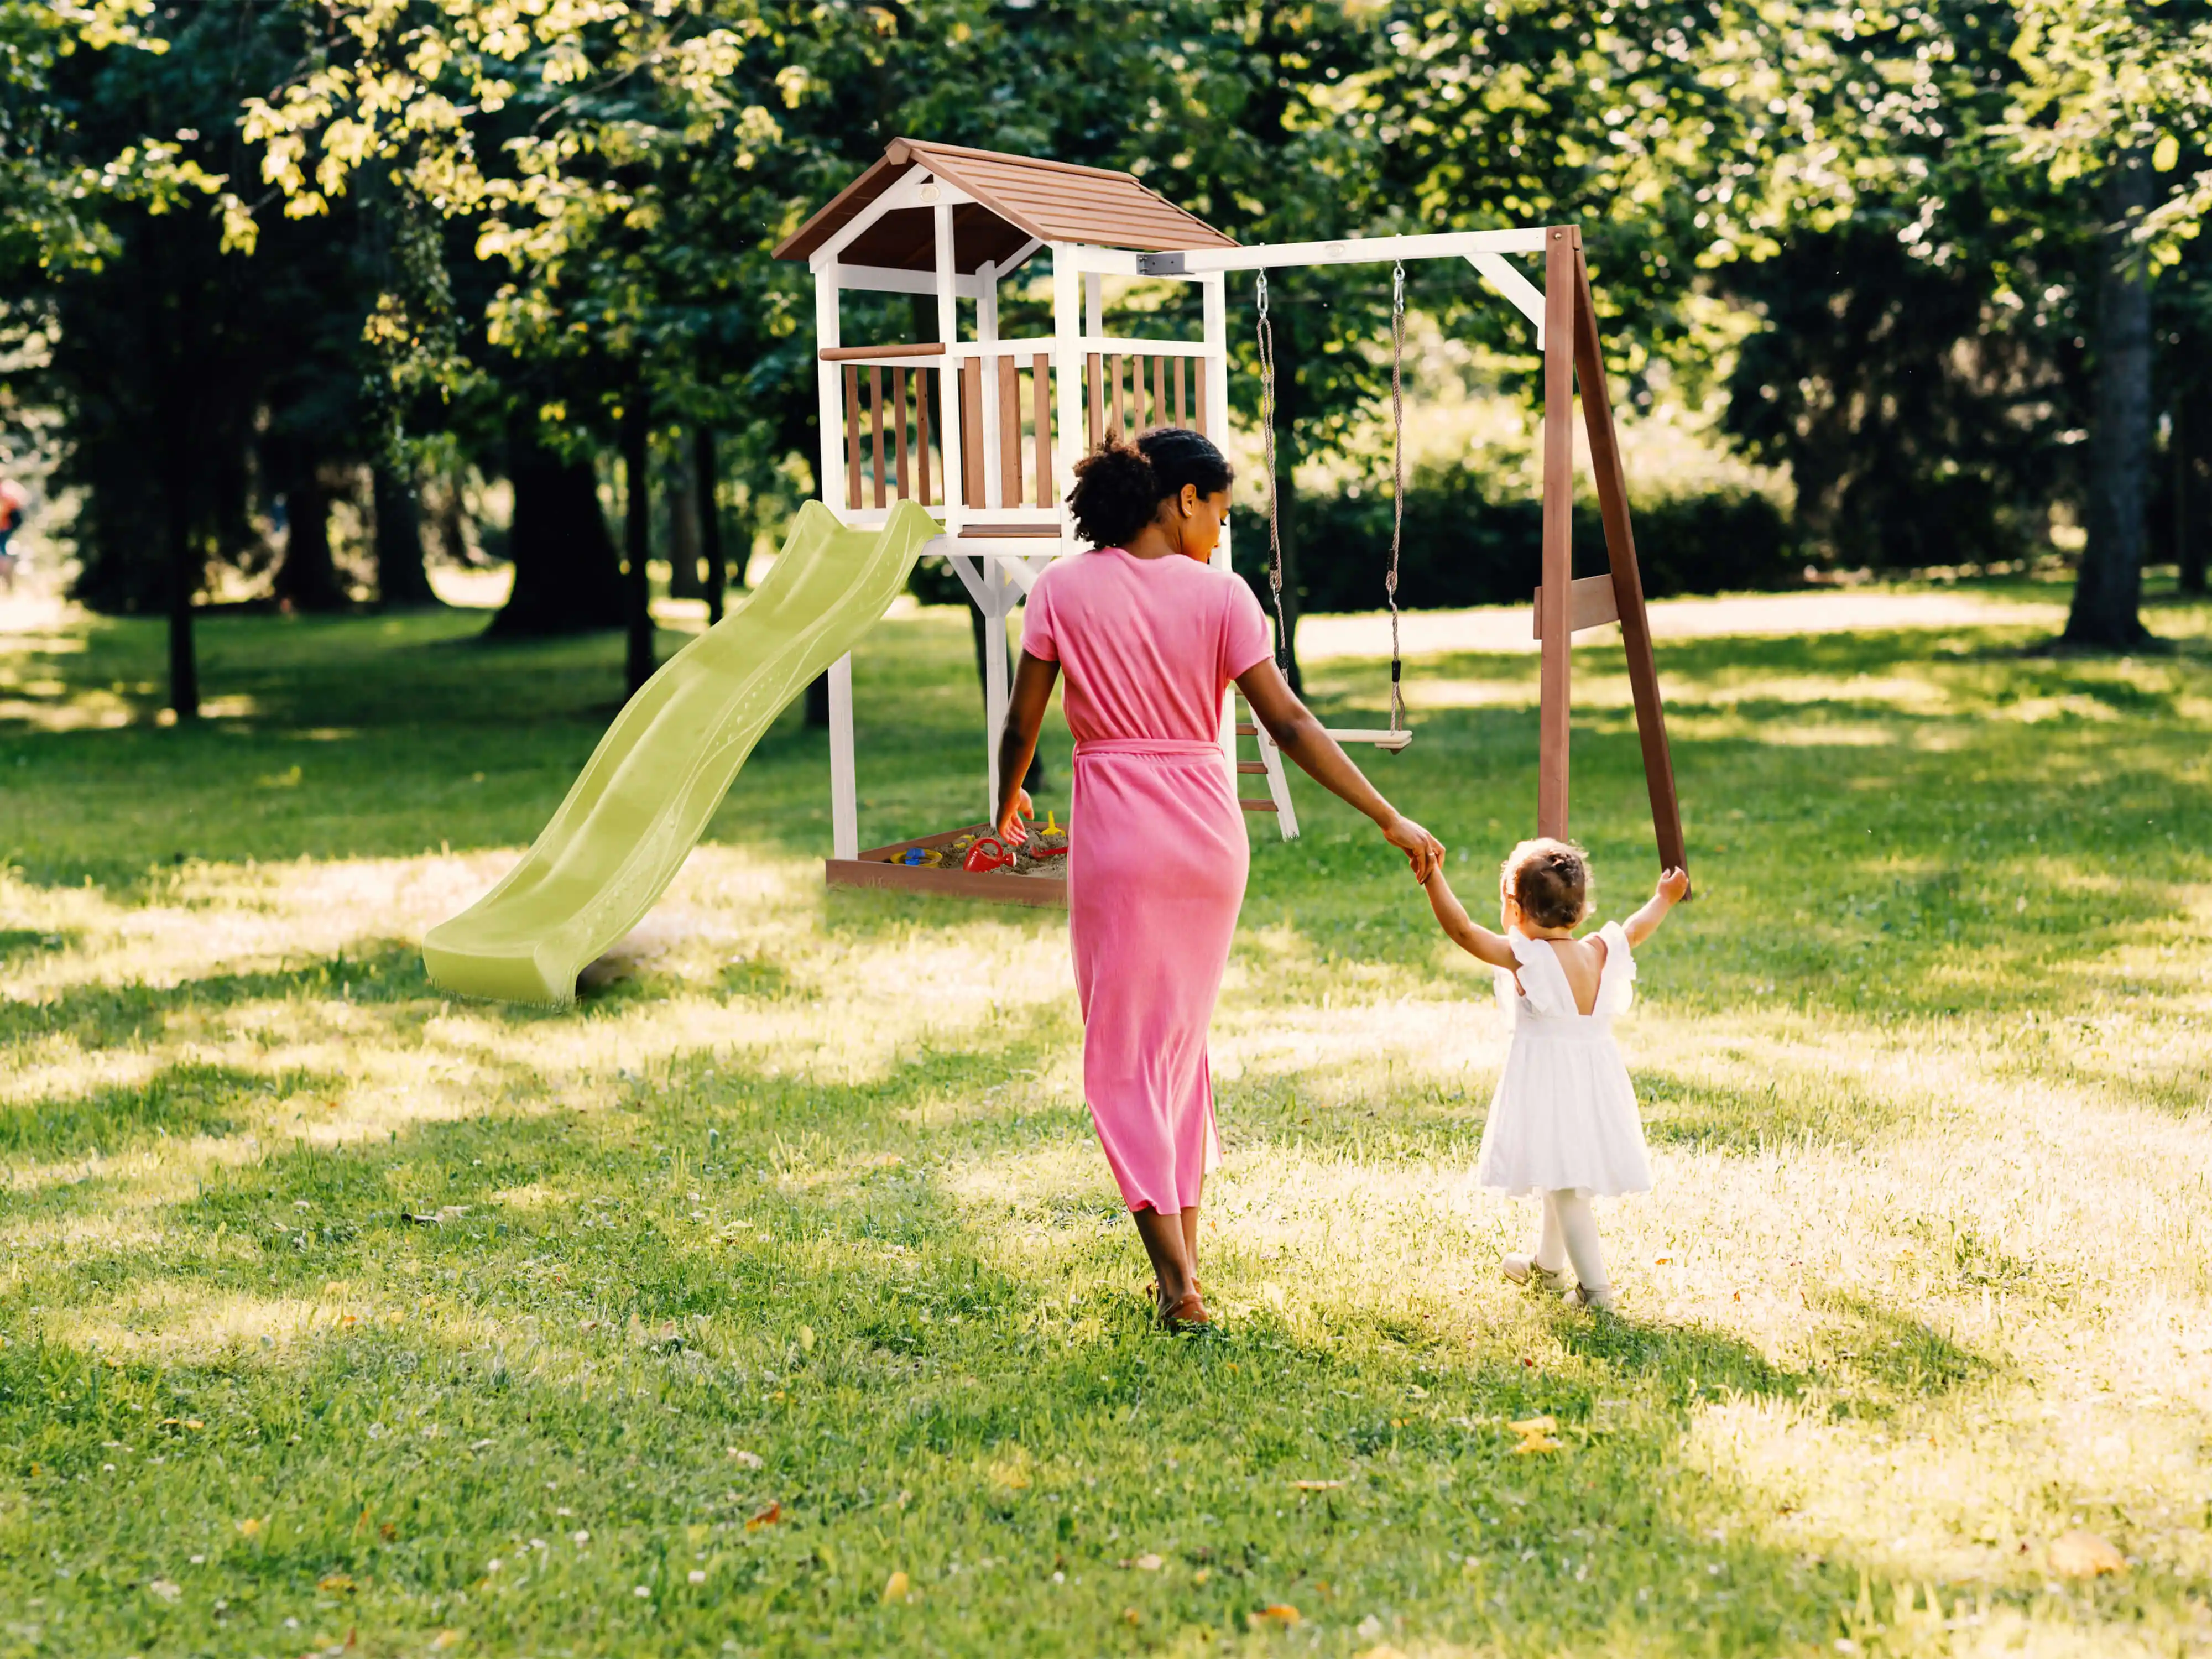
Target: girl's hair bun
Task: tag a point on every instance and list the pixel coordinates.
(1119, 486)
(1550, 880)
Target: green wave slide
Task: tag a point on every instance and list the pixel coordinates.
(644, 797)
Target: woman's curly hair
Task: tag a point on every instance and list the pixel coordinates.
(1549, 879)
(1119, 485)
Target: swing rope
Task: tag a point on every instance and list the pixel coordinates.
(1267, 343)
(1274, 521)
(1397, 483)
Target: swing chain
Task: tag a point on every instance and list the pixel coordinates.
(1397, 480)
(1267, 342)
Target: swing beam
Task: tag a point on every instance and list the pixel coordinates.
(1567, 323)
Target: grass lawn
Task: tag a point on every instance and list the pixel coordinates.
(777, 1299)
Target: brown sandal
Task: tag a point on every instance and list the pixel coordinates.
(1188, 1314)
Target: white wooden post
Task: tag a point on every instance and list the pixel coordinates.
(1213, 295)
(829, 393)
(844, 791)
(995, 667)
(948, 379)
(1067, 371)
(1094, 304)
(987, 335)
(844, 794)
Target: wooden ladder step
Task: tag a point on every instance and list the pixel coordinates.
(1246, 730)
(1252, 805)
(1252, 766)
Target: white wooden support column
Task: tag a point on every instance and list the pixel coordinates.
(1094, 304)
(1067, 373)
(987, 335)
(948, 379)
(1002, 593)
(844, 791)
(1213, 298)
(829, 469)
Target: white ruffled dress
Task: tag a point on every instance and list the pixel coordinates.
(1565, 1114)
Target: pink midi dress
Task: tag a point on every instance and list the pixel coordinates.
(1157, 853)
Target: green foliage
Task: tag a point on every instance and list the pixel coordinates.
(1472, 538)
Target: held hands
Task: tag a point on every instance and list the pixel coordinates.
(1010, 822)
(1672, 886)
(1423, 851)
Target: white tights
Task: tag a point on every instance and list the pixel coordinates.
(1568, 1234)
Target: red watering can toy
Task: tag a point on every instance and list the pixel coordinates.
(988, 853)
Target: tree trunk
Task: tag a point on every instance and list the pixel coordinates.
(2109, 590)
(185, 573)
(1286, 497)
(706, 476)
(2189, 434)
(567, 578)
(308, 579)
(682, 497)
(402, 582)
(637, 538)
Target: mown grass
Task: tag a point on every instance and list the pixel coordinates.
(335, 1311)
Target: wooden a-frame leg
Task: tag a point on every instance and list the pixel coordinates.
(1560, 263)
(1627, 579)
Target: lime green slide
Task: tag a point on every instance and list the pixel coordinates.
(665, 764)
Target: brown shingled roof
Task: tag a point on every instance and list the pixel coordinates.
(1017, 197)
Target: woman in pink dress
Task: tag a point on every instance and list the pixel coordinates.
(1150, 635)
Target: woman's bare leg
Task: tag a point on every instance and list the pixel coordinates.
(1190, 1232)
(1165, 1243)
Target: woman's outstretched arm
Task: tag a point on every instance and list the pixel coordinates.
(1032, 694)
(1300, 735)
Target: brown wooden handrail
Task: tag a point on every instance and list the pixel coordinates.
(857, 354)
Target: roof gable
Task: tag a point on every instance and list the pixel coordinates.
(1017, 199)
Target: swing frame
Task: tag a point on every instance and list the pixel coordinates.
(1567, 337)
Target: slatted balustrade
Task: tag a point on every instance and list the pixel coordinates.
(1156, 385)
(887, 439)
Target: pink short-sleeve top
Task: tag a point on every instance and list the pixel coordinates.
(1147, 645)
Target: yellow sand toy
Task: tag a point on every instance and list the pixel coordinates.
(644, 796)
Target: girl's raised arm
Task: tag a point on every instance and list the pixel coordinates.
(1672, 886)
(1470, 935)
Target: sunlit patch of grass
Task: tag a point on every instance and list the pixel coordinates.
(787, 1259)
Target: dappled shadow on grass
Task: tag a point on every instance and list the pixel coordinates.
(911, 1398)
(1804, 1107)
(94, 1015)
(187, 1099)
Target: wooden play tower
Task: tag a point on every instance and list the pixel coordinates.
(984, 430)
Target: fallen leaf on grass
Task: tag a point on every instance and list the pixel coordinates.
(335, 1582)
(2080, 1554)
(1316, 1485)
(1146, 1562)
(1280, 1614)
(897, 1587)
(766, 1517)
(1528, 1425)
(167, 1589)
(746, 1460)
(447, 1638)
(250, 1527)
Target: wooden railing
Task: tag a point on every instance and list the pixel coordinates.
(1004, 400)
(1103, 378)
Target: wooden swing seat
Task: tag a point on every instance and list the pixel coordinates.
(1381, 737)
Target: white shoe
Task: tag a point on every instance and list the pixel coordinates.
(1583, 1296)
(1520, 1268)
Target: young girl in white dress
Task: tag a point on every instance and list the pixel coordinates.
(1563, 1125)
